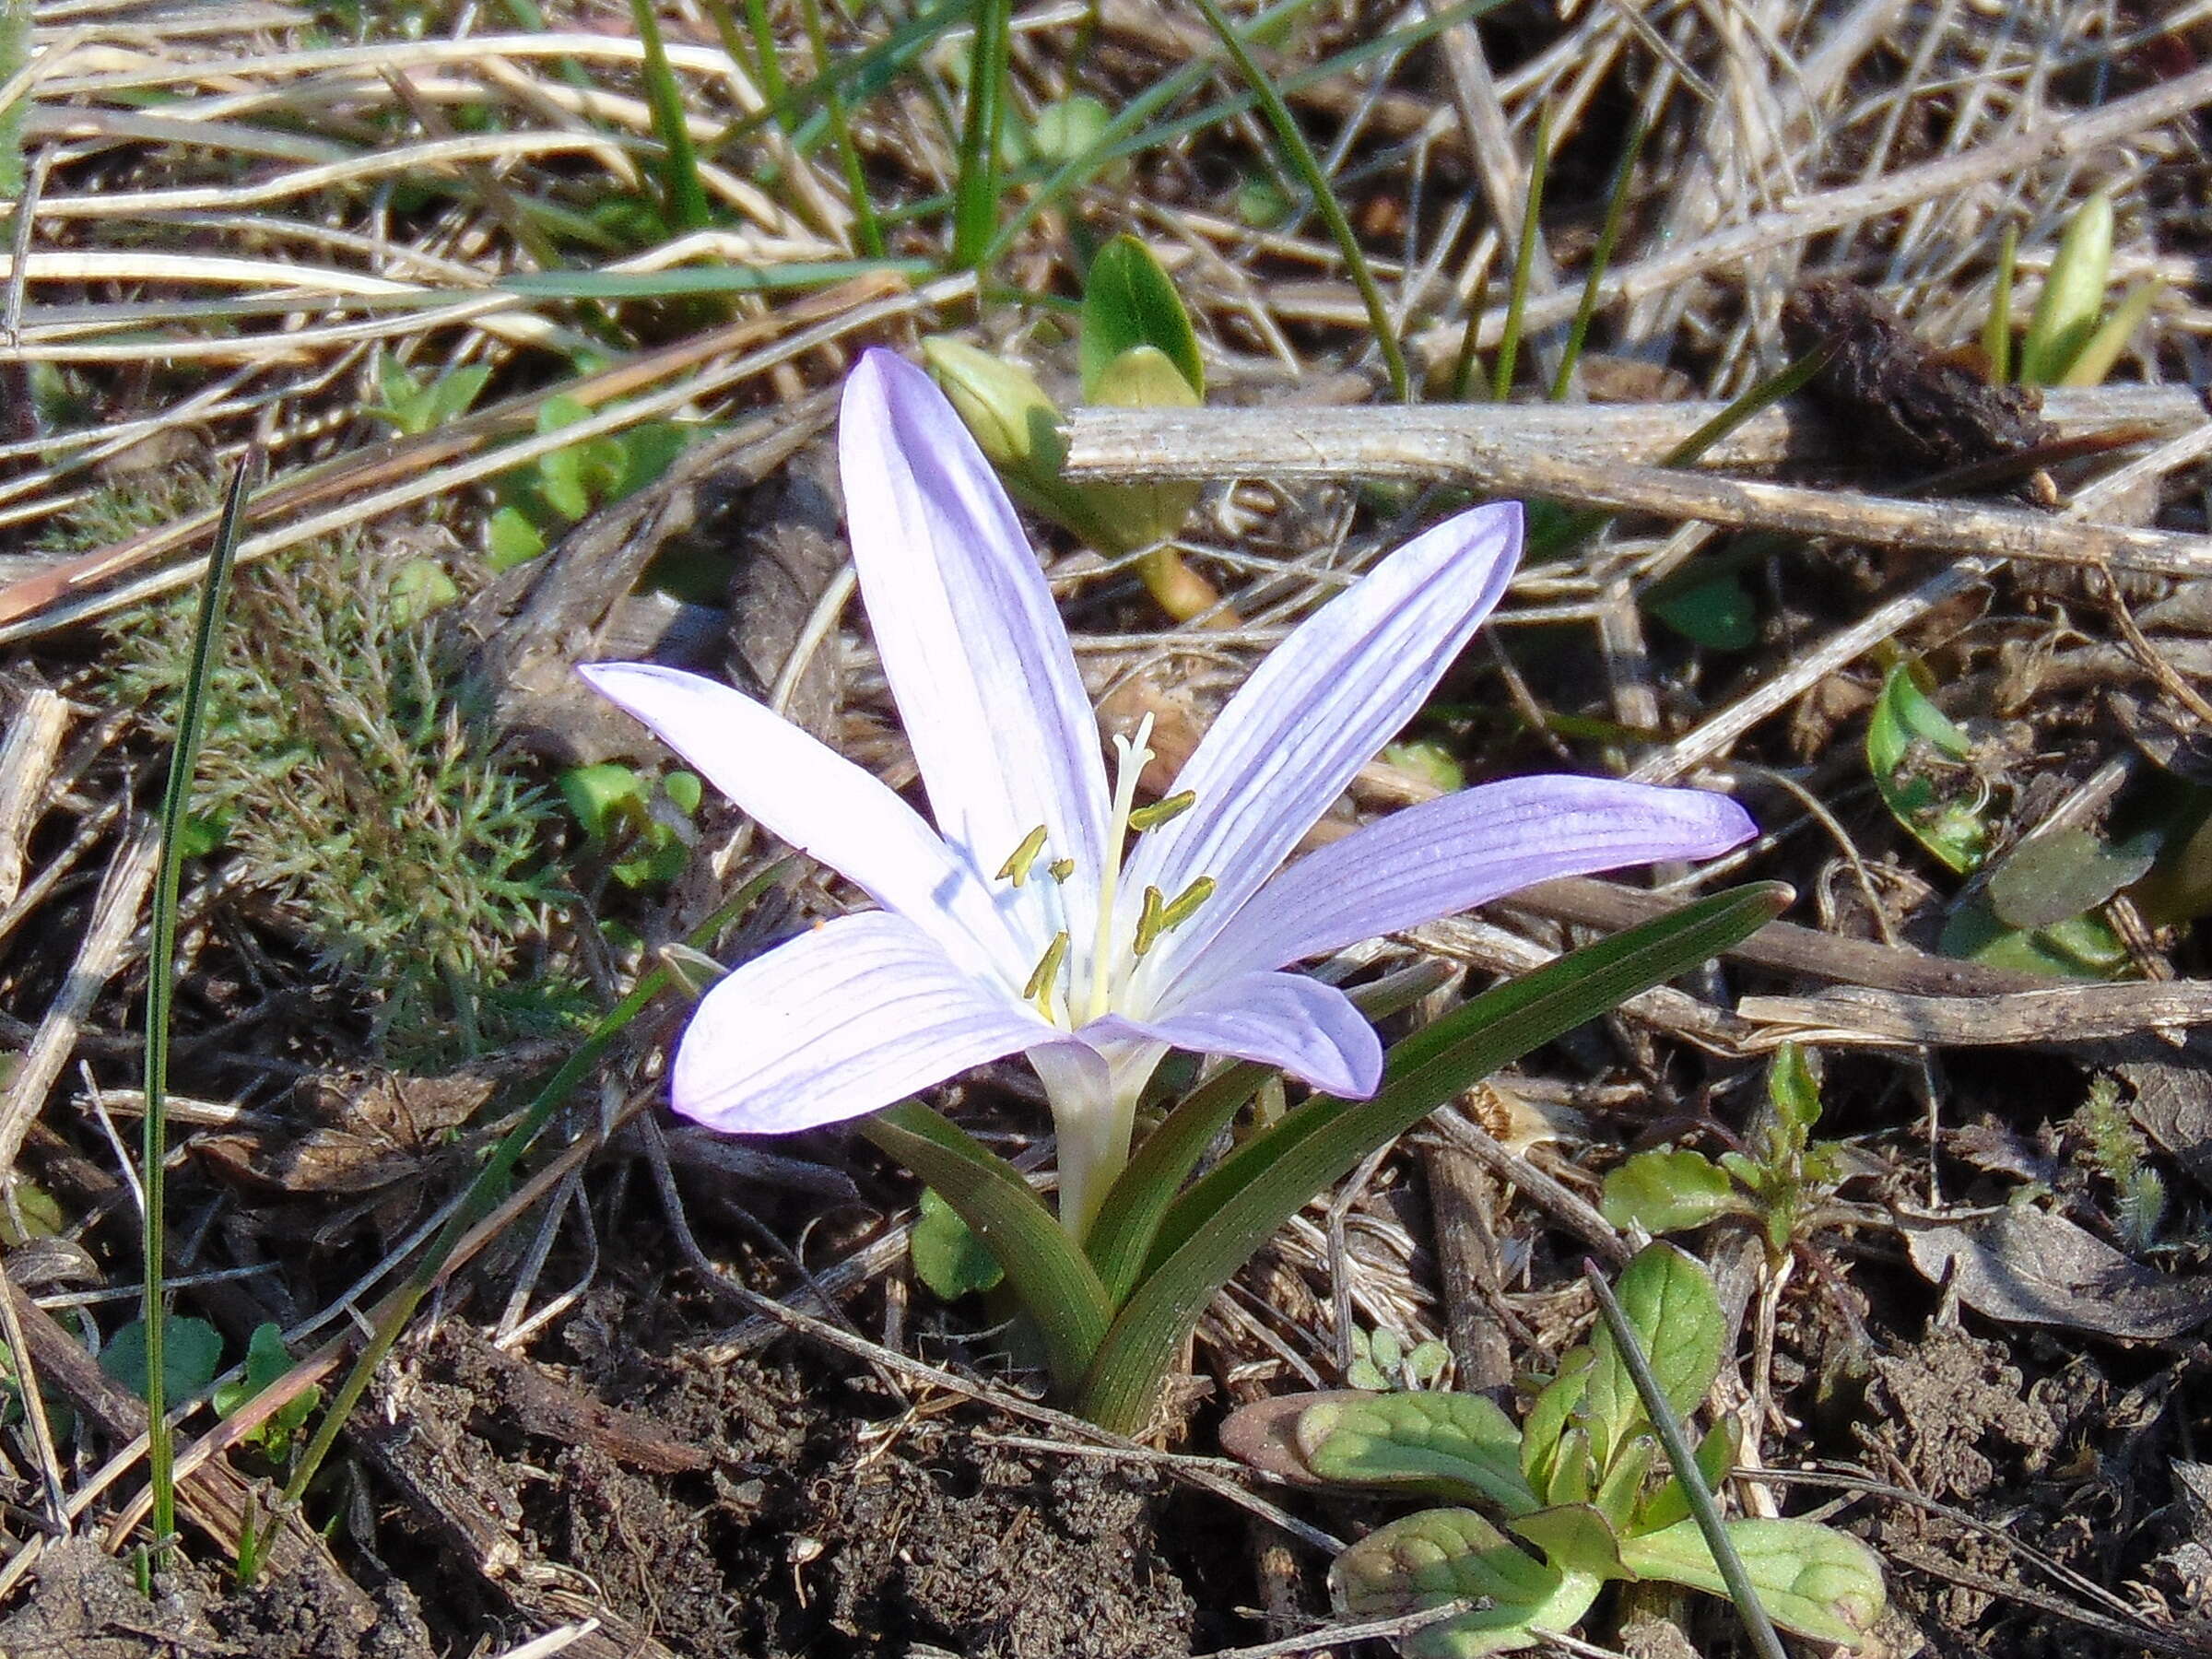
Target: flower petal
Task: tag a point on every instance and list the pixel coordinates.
(1451, 854)
(847, 1018)
(1314, 712)
(823, 804)
(971, 640)
(1308, 1029)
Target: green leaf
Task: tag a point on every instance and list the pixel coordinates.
(947, 1255)
(1670, 1304)
(2049, 878)
(976, 189)
(1571, 1478)
(1575, 1538)
(1450, 1445)
(1547, 1419)
(2110, 338)
(1719, 614)
(1442, 1554)
(2066, 313)
(605, 797)
(1129, 1219)
(1050, 1275)
(1794, 1094)
(1811, 1579)
(192, 1354)
(1617, 1494)
(1129, 301)
(1902, 720)
(510, 538)
(2079, 948)
(1671, 1190)
(1670, 1501)
(1222, 1220)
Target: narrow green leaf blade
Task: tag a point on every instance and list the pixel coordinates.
(1050, 1274)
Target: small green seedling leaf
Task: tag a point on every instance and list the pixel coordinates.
(268, 1362)
(1794, 1094)
(1572, 1476)
(1576, 1539)
(1442, 1556)
(1453, 1445)
(1670, 1190)
(606, 798)
(1719, 614)
(1616, 1496)
(1129, 302)
(947, 1255)
(1811, 1579)
(1904, 726)
(1670, 1304)
(2110, 338)
(511, 539)
(1549, 1418)
(1669, 1502)
(2066, 313)
(192, 1353)
(2048, 878)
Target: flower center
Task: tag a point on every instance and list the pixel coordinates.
(1157, 916)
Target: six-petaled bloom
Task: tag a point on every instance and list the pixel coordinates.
(1047, 914)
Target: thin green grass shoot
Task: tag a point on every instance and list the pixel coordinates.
(160, 988)
(1308, 167)
(1524, 263)
(1601, 257)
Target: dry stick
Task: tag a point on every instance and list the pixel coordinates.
(105, 948)
(1426, 443)
(1591, 480)
(27, 758)
(1863, 1017)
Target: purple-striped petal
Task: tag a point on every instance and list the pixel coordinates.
(1453, 854)
(971, 640)
(1300, 1024)
(1318, 709)
(823, 804)
(849, 1018)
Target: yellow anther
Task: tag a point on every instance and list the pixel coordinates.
(1060, 869)
(1161, 812)
(1017, 867)
(1047, 974)
(1159, 916)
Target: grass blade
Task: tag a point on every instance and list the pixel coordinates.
(684, 197)
(1601, 256)
(160, 989)
(1996, 333)
(975, 193)
(1524, 262)
(1303, 162)
(868, 231)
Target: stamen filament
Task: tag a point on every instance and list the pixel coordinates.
(1046, 974)
(1017, 867)
(1164, 812)
(1131, 755)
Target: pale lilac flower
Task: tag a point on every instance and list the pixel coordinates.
(1028, 921)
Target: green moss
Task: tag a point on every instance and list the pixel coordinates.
(356, 788)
